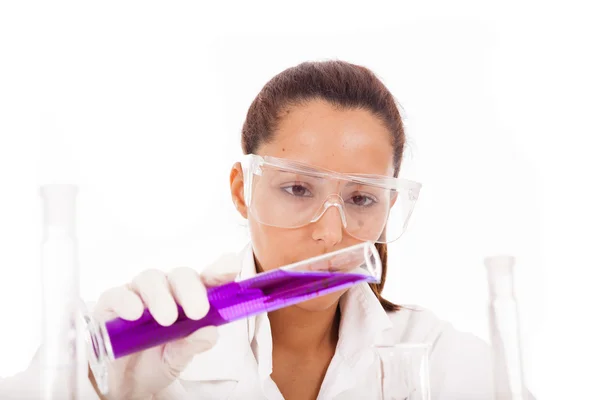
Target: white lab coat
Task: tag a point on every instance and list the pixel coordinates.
(239, 366)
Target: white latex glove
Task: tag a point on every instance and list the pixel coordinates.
(144, 374)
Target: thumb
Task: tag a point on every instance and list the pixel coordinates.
(178, 354)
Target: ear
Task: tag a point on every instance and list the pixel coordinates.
(394, 197)
(236, 183)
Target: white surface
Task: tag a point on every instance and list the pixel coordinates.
(142, 105)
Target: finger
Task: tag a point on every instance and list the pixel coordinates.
(189, 292)
(210, 279)
(153, 288)
(179, 353)
(119, 302)
(224, 270)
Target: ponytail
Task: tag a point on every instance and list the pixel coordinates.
(378, 287)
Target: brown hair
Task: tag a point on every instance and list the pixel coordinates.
(342, 84)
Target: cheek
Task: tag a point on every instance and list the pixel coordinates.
(276, 247)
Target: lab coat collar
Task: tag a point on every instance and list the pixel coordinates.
(259, 327)
(233, 337)
(363, 324)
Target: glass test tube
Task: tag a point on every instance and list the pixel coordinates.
(232, 301)
(60, 293)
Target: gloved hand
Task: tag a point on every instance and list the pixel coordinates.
(146, 373)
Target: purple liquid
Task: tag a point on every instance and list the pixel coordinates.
(230, 302)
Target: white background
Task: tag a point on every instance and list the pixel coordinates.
(141, 104)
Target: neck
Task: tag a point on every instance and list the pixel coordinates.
(298, 330)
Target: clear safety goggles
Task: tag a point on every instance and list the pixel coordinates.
(288, 194)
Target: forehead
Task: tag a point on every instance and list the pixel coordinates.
(342, 140)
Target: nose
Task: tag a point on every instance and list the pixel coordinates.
(329, 226)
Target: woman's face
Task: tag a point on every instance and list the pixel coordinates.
(341, 140)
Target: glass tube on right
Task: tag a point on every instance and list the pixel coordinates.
(504, 330)
(404, 371)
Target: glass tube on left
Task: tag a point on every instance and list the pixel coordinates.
(60, 293)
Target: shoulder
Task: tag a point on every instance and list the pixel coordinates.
(417, 324)
(460, 362)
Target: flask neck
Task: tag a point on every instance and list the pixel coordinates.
(500, 276)
(502, 288)
(58, 232)
(59, 208)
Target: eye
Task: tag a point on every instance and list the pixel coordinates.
(297, 190)
(362, 200)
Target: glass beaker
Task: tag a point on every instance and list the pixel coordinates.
(265, 292)
(404, 371)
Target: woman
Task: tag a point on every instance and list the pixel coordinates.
(310, 131)
(332, 116)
